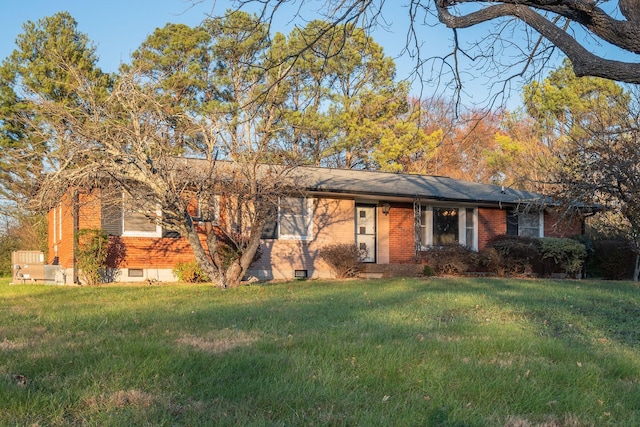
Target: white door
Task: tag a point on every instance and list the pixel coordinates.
(366, 231)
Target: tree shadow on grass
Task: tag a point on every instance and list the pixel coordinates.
(316, 352)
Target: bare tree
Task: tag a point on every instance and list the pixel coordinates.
(521, 36)
(178, 138)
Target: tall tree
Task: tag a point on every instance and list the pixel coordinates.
(52, 61)
(596, 156)
(343, 97)
(518, 38)
(565, 106)
(190, 92)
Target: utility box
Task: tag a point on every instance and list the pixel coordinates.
(28, 266)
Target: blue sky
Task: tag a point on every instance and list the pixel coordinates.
(118, 27)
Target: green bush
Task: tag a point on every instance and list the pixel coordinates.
(566, 255)
(517, 255)
(427, 271)
(8, 245)
(91, 254)
(190, 272)
(343, 258)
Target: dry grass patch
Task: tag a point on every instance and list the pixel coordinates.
(218, 342)
(7, 345)
(568, 421)
(121, 399)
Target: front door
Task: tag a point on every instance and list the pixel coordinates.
(366, 231)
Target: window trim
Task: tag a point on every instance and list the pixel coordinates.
(309, 220)
(540, 223)
(427, 231)
(157, 233)
(134, 233)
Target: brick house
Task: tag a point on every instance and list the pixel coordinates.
(392, 216)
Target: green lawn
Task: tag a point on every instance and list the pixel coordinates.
(401, 352)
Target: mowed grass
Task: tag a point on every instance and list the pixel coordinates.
(401, 352)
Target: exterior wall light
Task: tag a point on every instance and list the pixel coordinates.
(386, 207)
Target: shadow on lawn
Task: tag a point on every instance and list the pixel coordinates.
(296, 353)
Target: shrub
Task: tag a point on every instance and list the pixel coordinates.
(190, 272)
(566, 255)
(490, 260)
(518, 255)
(427, 271)
(450, 259)
(91, 254)
(343, 258)
(613, 259)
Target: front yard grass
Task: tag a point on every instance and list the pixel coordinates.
(397, 352)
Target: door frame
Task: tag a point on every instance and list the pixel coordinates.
(372, 257)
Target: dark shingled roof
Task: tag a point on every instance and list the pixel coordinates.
(389, 185)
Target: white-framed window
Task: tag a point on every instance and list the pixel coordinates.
(293, 221)
(441, 225)
(205, 210)
(295, 218)
(531, 224)
(136, 224)
(119, 221)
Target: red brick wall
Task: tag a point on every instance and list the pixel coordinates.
(147, 252)
(401, 234)
(556, 226)
(491, 222)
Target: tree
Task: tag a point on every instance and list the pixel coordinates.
(596, 158)
(519, 38)
(20, 231)
(564, 106)
(51, 60)
(603, 168)
(201, 93)
(342, 97)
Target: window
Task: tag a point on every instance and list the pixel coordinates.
(205, 210)
(293, 220)
(528, 224)
(138, 225)
(470, 228)
(445, 226)
(119, 222)
(135, 272)
(442, 225)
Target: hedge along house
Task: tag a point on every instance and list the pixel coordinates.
(391, 217)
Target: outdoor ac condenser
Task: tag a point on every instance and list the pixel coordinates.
(28, 266)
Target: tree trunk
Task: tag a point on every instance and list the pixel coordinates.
(237, 270)
(205, 263)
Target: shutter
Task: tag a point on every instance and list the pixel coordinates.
(112, 219)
